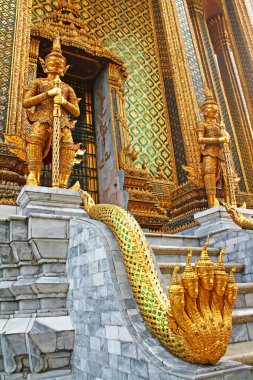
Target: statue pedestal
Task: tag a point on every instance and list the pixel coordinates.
(217, 219)
(48, 200)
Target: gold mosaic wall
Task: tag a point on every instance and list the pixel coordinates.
(125, 26)
(7, 18)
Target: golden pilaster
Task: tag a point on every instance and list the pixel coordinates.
(233, 89)
(196, 11)
(239, 25)
(185, 96)
(16, 116)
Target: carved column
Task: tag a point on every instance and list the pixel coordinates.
(196, 10)
(212, 77)
(239, 24)
(233, 89)
(15, 117)
(183, 84)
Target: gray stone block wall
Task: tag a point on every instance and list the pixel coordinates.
(36, 333)
(239, 249)
(111, 338)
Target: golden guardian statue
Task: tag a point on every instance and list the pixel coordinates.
(215, 151)
(216, 162)
(51, 128)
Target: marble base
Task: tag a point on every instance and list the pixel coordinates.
(216, 219)
(48, 200)
(65, 374)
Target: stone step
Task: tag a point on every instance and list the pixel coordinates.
(244, 315)
(178, 254)
(196, 251)
(172, 240)
(245, 295)
(245, 287)
(241, 352)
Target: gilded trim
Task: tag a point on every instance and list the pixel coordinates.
(16, 117)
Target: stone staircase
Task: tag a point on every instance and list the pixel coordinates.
(35, 330)
(173, 249)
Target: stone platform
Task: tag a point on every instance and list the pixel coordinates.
(66, 308)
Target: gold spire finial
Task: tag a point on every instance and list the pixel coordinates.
(204, 260)
(209, 98)
(188, 273)
(56, 49)
(207, 91)
(57, 44)
(206, 243)
(220, 268)
(175, 276)
(188, 261)
(231, 279)
(175, 286)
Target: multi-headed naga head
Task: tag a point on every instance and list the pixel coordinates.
(232, 288)
(176, 292)
(205, 269)
(220, 276)
(189, 279)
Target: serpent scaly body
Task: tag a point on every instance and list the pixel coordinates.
(188, 338)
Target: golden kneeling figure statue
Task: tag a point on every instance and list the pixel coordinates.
(46, 94)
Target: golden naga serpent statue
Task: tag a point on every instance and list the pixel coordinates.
(196, 323)
(238, 216)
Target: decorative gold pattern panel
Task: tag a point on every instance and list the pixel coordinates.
(126, 27)
(7, 17)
